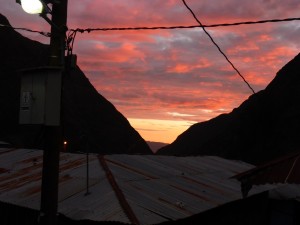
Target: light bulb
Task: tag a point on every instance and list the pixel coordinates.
(32, 6)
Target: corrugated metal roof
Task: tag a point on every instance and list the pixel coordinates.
(286, 192)
(4, 144)
(284, 170)
(157, 188)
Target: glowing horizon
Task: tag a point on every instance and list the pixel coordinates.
(165, 131)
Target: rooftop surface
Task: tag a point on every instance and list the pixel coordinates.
(153, 188)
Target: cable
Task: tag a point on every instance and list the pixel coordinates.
(291, 169)
(71, 37)
(46, 34)
(184, 27)
(213, 41)
(81, 30)
(70, 41)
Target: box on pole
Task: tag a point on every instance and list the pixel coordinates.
(40, 97)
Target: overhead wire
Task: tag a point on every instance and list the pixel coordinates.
(218, 47)
(70, 41)
(88, 30)
(82, 30)
(72, 32)
(46, 34)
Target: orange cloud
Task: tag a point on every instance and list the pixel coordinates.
(185, 68)
(180, 68)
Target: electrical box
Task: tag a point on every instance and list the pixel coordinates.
(40, 96)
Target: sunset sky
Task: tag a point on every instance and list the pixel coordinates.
(163, 81)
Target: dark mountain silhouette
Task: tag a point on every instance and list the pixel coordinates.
(265, 126)
(154, 146)
(88, 118)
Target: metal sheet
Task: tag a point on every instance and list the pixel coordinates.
(286, 191)
(176, 187)
(282, 170)
(158, 188)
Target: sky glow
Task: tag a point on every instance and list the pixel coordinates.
(165, 80)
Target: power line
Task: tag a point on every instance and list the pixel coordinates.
(70, 41)
(46, 34)
(213, 41)
(82, 30)
(185, 27)
(71, 37)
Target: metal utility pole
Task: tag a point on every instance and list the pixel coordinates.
(53, 134)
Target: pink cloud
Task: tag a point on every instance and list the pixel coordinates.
(147, 74)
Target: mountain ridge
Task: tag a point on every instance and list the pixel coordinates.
(90, 121)
(263, 127)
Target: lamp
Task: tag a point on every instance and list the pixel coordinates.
(38, 7)
(32, 6)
